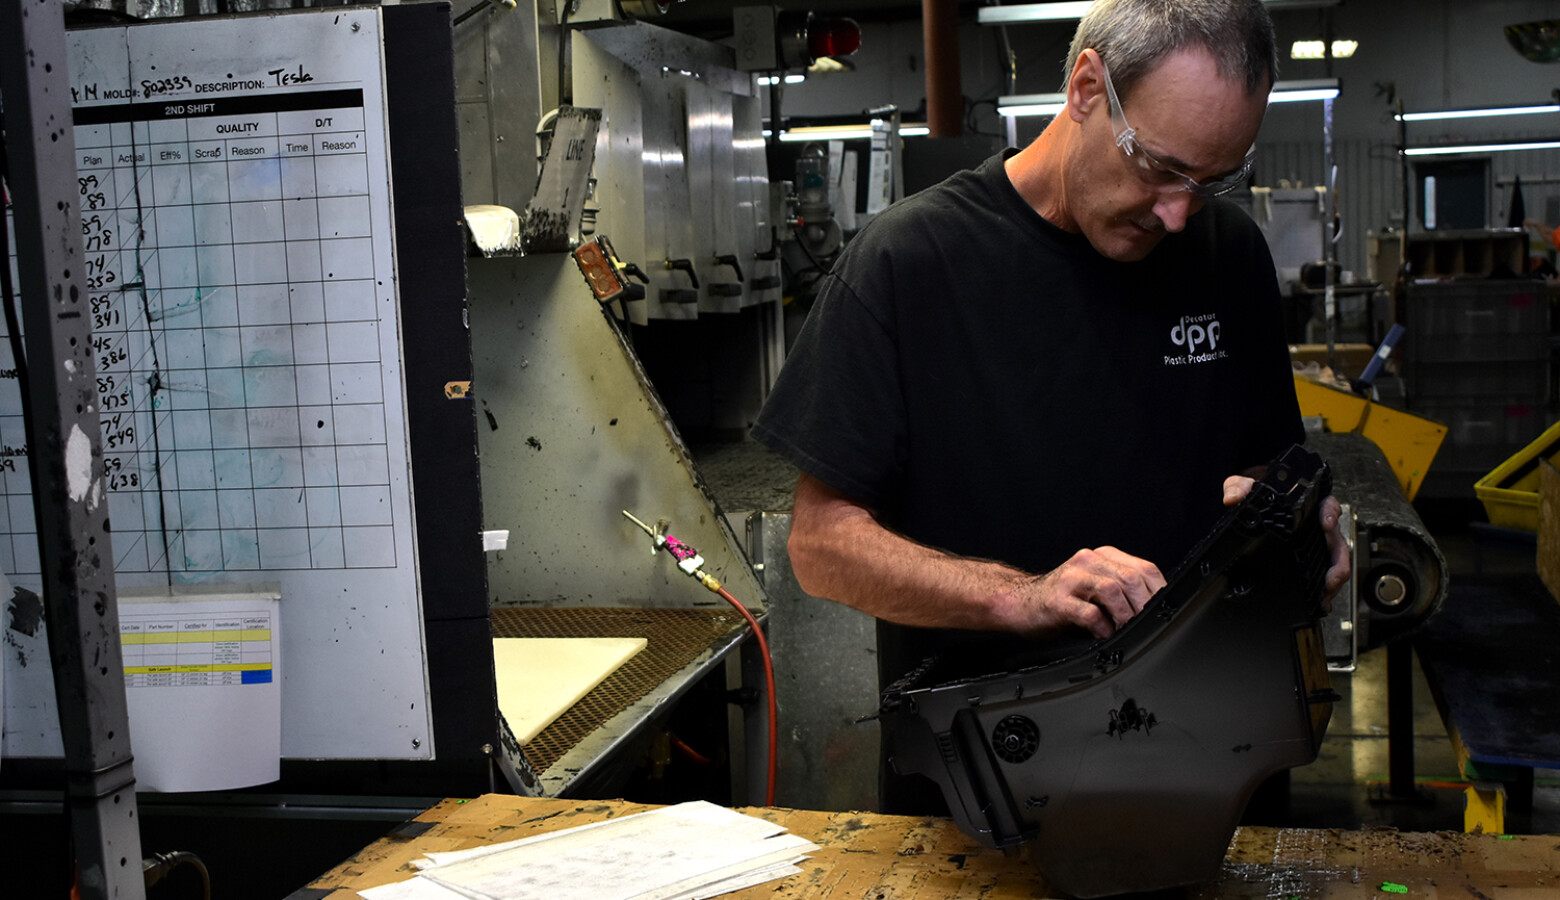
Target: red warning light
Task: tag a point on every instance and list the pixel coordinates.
(804, 37)
(833, 37)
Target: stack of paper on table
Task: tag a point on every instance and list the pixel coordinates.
(685, 852)
(540, 678)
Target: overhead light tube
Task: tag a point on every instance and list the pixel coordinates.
(1304, 89)
(1480, 148)
(1478, 113)
(1018, 105)
(1015, 105)
(1068, 10)
(846, 132)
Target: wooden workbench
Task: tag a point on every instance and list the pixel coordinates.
(897, 858)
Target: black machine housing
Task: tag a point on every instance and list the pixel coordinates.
(1126, 765)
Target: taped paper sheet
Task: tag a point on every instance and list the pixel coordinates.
(203, 687)
(540, 678)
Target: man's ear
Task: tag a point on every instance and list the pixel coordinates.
(1086, 85)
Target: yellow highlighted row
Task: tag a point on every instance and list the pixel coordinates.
(196, 637)
(225, 667)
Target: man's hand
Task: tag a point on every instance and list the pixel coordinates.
(840, 550)
(1236, 487)
(1098, 590)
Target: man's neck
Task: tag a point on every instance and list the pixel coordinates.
(1036, 173)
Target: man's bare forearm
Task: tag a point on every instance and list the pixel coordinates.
(840, 550)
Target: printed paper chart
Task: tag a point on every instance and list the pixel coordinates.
(171, 650)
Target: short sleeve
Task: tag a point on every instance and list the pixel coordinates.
(837, 410)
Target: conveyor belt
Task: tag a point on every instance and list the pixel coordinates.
(1400, 572)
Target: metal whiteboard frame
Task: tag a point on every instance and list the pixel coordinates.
(329, 713)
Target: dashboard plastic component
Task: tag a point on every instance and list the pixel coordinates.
(1126, 765)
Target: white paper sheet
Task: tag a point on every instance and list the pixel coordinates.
(203, 687)
(690, 851)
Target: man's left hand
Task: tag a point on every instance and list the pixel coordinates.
(1236, 487)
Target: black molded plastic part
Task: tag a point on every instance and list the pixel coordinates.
(1127, 765)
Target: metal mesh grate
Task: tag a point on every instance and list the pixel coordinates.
(746, 476)
(676, 638)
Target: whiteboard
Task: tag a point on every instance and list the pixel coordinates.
(236, 210)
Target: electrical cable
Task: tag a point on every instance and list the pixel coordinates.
(157, 866)
(802, 245)
(485, 4)
(694, 756)
(691, 563)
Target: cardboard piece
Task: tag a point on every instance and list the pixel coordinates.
(540, 678)
(1549, 526)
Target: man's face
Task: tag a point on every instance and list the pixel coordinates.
(1186, 123)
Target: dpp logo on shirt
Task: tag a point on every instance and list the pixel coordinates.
(1196, 339)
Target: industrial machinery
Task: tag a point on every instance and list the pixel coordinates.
(1126, 764)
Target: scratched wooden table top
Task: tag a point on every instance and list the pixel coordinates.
(864, 856)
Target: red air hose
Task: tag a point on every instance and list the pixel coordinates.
(691, 563)
(769, 690)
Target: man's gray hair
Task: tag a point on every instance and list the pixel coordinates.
(1134, 36)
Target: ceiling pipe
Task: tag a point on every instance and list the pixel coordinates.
(944, 85)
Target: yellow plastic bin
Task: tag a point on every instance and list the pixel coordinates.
(1510, 492)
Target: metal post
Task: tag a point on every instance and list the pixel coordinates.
(1400, 720)
(65, 452)
(1329, 242)
(944, 89)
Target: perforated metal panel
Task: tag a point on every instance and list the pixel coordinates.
(676, 638)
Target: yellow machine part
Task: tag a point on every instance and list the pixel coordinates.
(1484, 811)
(1409, 442)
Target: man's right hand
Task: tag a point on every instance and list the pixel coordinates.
(1097, 590)
(840, 550)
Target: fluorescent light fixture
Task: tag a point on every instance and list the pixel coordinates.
(1015, 105)
(1031, 104)
(1341, 49)
(846, 132)
(1478, 113)
(766, 80)
(1480, 148)
(1303, 89)
(1033, 12)
(1068, 10)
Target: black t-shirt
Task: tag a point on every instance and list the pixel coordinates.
(994, 387)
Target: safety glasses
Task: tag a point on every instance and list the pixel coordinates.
(1155, 174)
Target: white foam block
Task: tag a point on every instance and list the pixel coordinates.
(540, 678)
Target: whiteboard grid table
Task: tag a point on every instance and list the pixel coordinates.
(239, 260)
(231, 269)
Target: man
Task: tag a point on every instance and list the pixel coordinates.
(1073, 346)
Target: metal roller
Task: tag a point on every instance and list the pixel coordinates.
(1400, 575)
